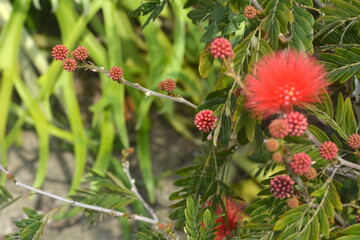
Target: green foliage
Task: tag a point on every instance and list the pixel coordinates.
(339, 23)
(152, 7)
(200, 223)
(6, 198)
(108, 192)
(343, 64)
(309, 220)
(199, 180)
(32, 227)
(278, 16)
(150, 235)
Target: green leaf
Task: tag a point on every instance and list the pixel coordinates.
(31, 232)
(334, 197)
(319, 134)
(237, 6)
(349, 123)
(350, 237)
(343, 64)
(315, 229)
(302, 30)
(154, 7)
(278, 16)
(287, 220)
(324, 222)
(225, 130)
(250, 129)
(205, 62)
(5, 192)
(320, 192)
(329, 209)
(352, 230)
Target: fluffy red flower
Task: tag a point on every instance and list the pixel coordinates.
(234, 215)
(283, 80)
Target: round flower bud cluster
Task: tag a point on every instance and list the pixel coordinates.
(354, 141)
(310, 174)
(60, 52)
(237, 92)
(293, 203)
(69, 64)
(250, 12)
(279, 128)
(221, 48)
(281, 186)
(205, 121)
(80, 53)
(328, 150)
(277, 157)
(272, 145)
(116, 73)
(300, 163)
(358, 218)
(297, 123)
(168, 85)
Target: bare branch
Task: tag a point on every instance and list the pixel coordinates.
(92, 67)
(126, 167)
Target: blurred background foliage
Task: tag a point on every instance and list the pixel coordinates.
(88, 112)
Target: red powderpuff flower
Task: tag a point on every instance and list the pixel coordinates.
(300, 163)
(205, 121)
(116, 73)
(282, 186)
(221, 48)
(328, 150)
(59, 52)
(69, 64)
(283, 80)
(297, 123)
(168, 85)
(358, 218)
(234, 212)
(80, 53)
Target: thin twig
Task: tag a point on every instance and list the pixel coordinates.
(78, 204)
(257, 5)
(92, 67)
(126, 168)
